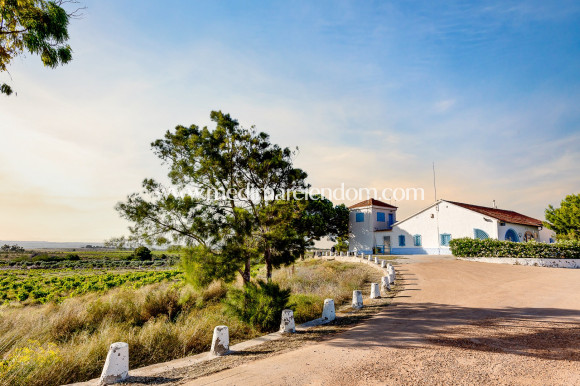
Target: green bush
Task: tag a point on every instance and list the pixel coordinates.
(259, 305)
(467, 247)
(142, 253)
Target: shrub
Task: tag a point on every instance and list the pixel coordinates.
(259, 305)
(142, 253)
(467, 247)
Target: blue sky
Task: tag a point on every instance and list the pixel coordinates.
(371, 93)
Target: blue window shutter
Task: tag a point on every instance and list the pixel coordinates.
(445, 238)
(391, 219)
(360, 217)
(380, 217)
(401, 240)
(417, 240)
(479, 234)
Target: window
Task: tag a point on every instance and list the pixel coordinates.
(417, 240)
(479, 234)
(391, 219)
(511, 235)
(360, 217)
(401, 241)
(445, 239)
(380, 217)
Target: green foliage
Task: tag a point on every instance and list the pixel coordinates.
(467, 247)
(259, 304)
(12, 248)
(565, 220)
(341, 244)
(142, 253)
(201, 267)
(39, 27)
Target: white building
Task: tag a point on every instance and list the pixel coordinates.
(373, 227)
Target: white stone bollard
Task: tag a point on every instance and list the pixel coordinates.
(328, 311)
(383, 263)
(389, 266)
(375, 291)
(220, 343)
(116, 367)
(370, 257)
(391, 277)
(362, 255)
(287, 324)
(357, 300)
(385, 283)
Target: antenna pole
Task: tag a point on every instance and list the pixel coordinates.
(434, 184)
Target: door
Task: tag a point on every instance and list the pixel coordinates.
(387, 244)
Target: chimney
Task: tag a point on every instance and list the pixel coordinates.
(494, 205)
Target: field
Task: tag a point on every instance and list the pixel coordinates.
(61, 331)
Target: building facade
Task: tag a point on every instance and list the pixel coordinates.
(374, 227)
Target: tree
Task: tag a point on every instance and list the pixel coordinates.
(39, 27)
(219, 201)
(565, 220)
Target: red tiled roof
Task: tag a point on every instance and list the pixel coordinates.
(501, 214)
(372, 201)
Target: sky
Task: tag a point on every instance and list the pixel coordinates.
(372, 93)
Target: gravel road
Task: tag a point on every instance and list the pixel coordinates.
(456, 322)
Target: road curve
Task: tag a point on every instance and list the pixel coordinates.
(456, 322)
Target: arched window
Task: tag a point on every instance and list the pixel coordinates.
(479, 234)
(511, 235)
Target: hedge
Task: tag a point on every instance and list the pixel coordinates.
(467, 247)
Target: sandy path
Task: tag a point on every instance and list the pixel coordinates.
(456, 322)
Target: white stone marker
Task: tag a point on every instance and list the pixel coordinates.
(328, 311)
(357, 300)
(375, 291)
(389, 266)
(287, 324)
(370, 257)
(383, 263)
(116, 367)
(376, 260)
(385, 283)
(220, 344)
(362, 255)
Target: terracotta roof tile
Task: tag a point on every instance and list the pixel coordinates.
(372, 201)
(501, 214)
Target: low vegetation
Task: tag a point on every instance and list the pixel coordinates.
(57, 343)
(467, 247)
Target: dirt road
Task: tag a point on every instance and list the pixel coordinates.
(456, 322)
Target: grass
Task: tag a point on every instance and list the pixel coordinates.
(61, 343)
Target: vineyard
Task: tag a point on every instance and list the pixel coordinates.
(42, 286)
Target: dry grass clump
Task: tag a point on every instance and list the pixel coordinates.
(58, 344)
(312, 281)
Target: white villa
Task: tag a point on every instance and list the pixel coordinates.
(374, 227)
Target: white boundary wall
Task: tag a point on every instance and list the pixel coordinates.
(535, 262)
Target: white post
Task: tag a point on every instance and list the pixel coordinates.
(287, 324)
(389, 266)
(383, 263)
(328, 311)
(357, 300)
(375, 291)
(385, 283)
(116, 367)
(376, 260)
(220, 343)
(362, 255)
(370, 258)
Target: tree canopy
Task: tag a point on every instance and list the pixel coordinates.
(565, 220)
(37, 26)
(235, 198)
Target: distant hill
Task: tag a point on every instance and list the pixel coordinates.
(50, 244)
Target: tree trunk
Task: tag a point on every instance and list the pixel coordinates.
(268, 260)
(246, 275)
